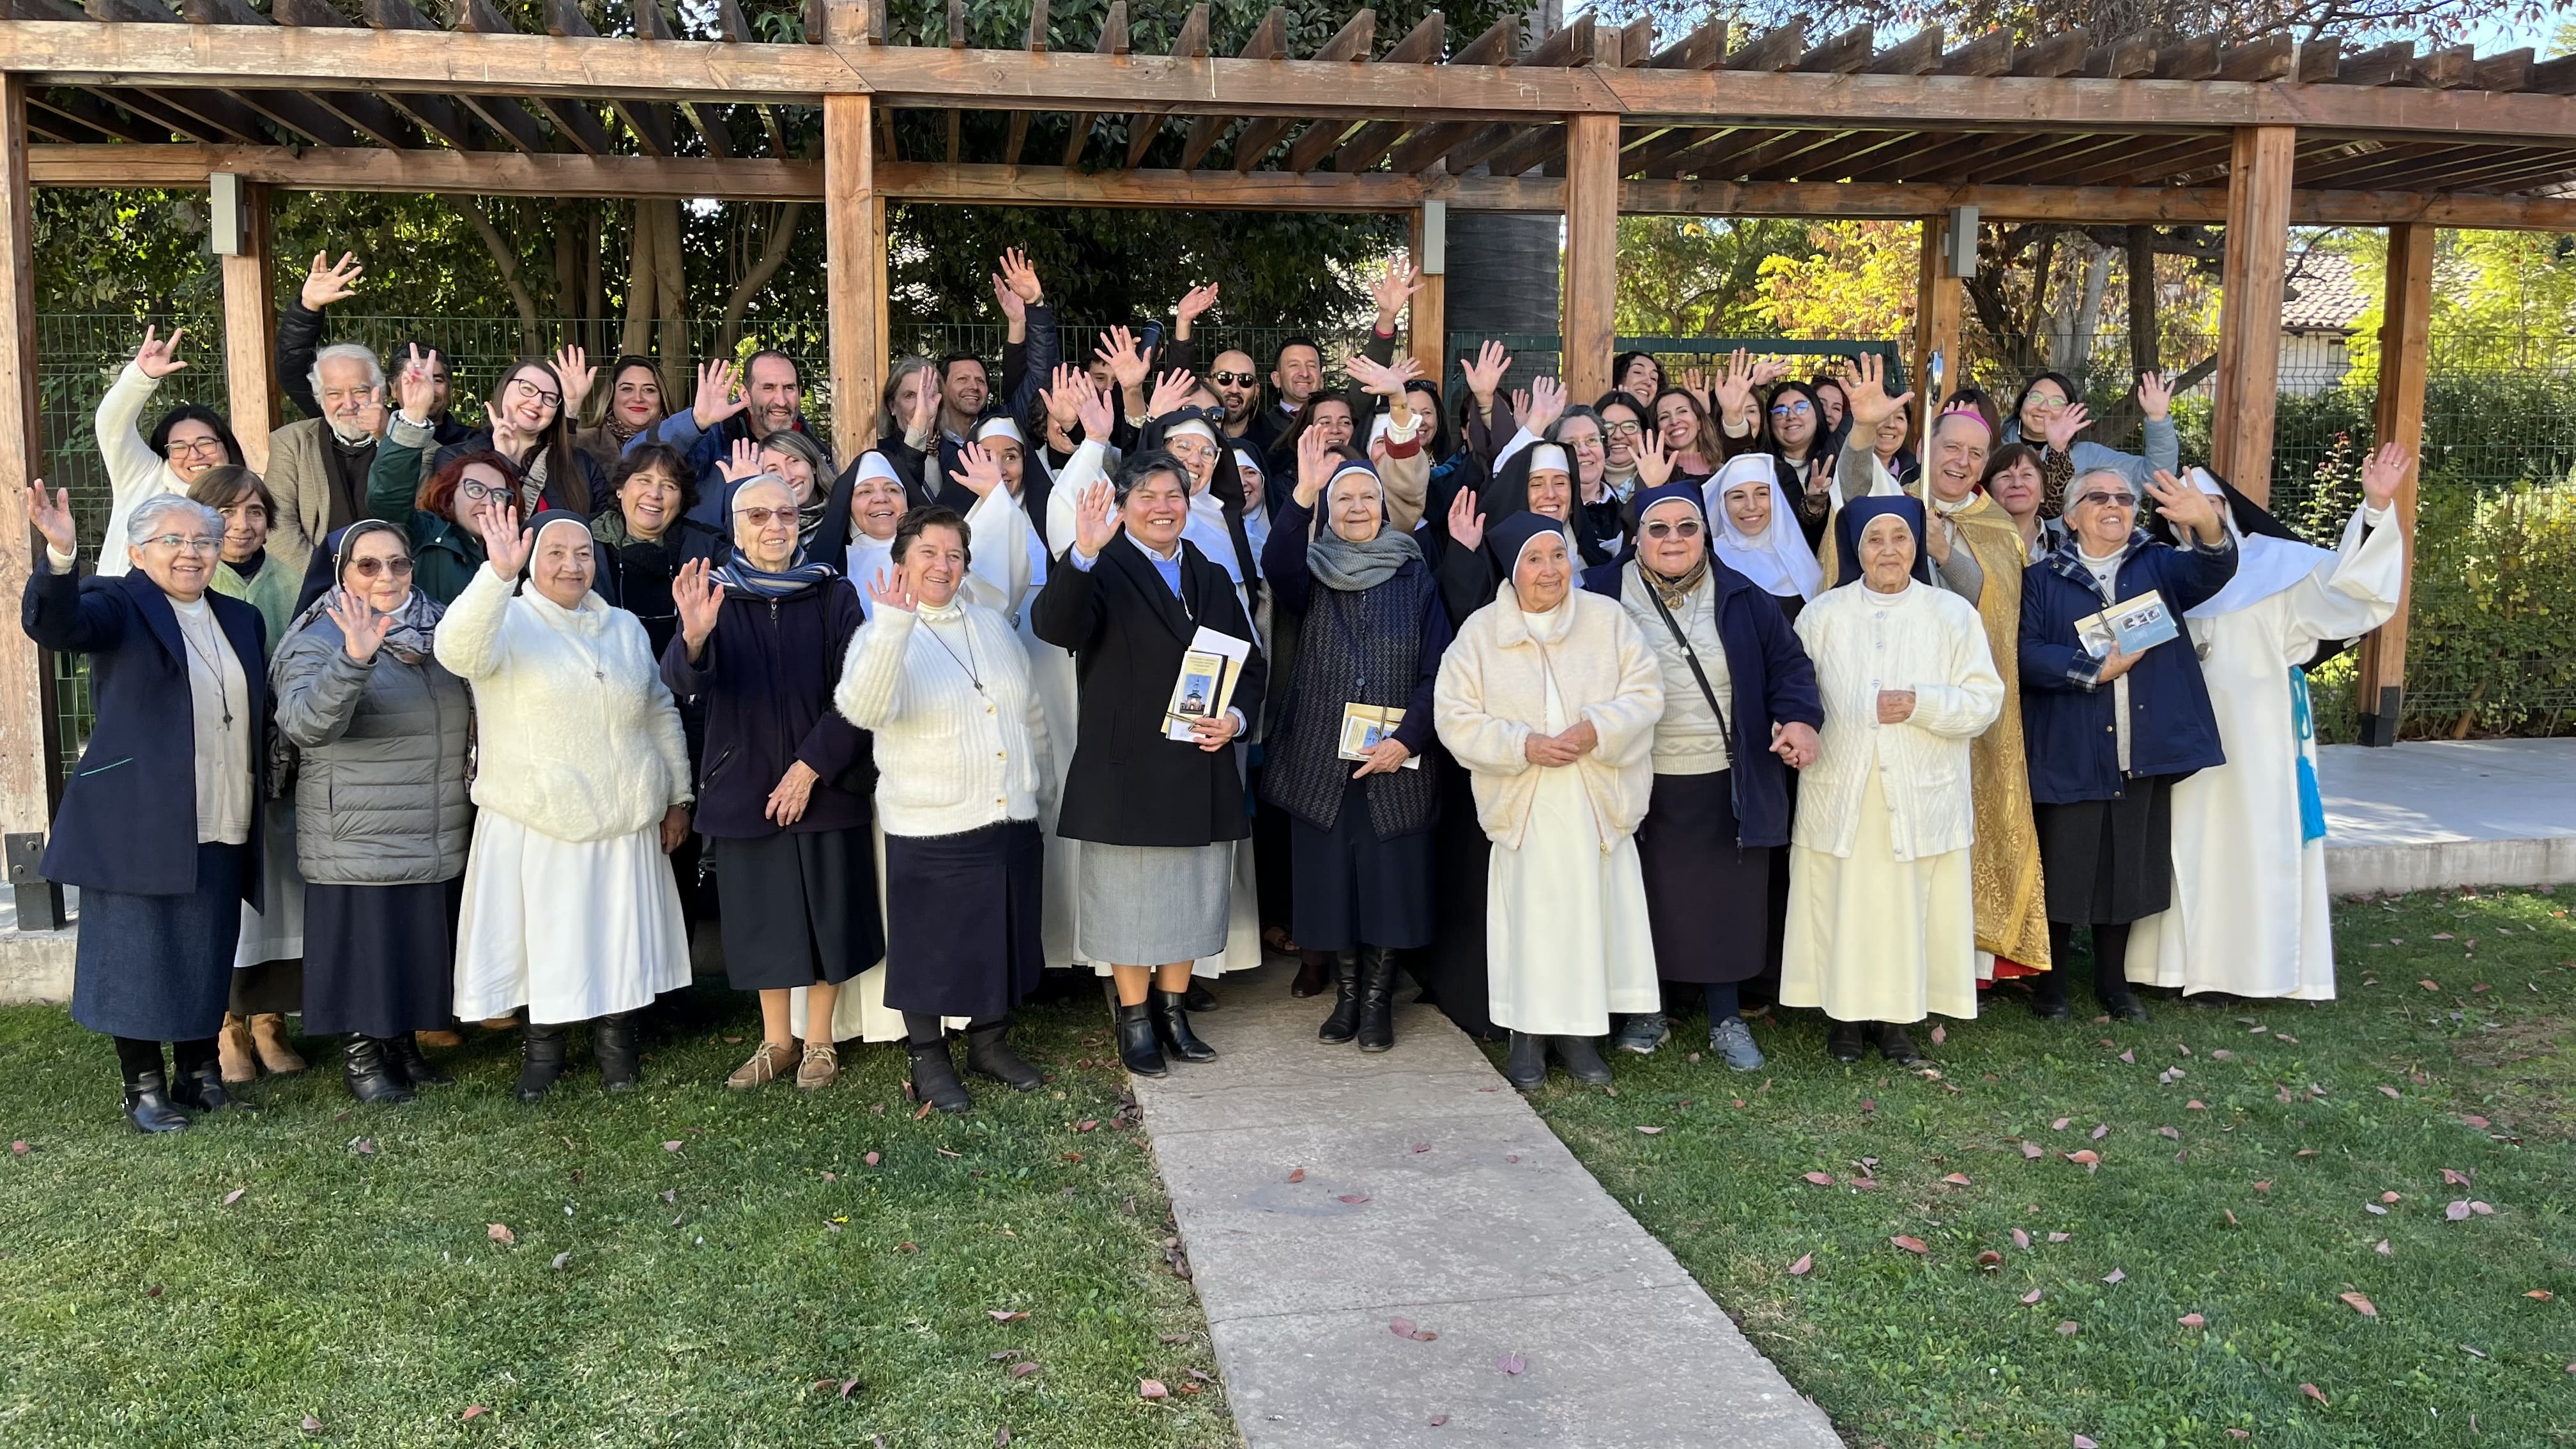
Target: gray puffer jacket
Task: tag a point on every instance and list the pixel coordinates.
(380, 796)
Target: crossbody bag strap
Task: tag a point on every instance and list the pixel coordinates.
(1725, 730)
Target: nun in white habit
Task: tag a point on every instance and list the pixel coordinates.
(2250, 910)
(1759, 533)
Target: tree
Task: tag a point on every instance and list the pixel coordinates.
(1685, 276)
(1856, 280)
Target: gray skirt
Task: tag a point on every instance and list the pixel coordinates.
(1151, 905)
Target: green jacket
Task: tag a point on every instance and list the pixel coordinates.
(444, 555)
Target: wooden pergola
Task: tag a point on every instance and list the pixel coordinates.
(1589, 122)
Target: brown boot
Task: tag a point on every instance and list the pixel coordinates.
(443, 1040)
(268, 1036)
(234, 1052)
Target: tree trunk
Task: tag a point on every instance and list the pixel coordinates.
(782, 235)
(594, 298)
(640, 275)
(671, 291)
(531, 343)
(2142, 300)
(2087, 321)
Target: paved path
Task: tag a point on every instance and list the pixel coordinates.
(1470, 1218)
(2440, 813)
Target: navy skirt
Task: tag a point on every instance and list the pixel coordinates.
(797, 908)
(160, 968)
(380, 960)
(962, 917)
(1353, 889)
(1708, 900)
(2107, 862)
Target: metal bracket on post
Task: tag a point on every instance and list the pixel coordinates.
(1960, 259)
(2379, 727)
(229, 219)
(1434, 261)
(40, 901)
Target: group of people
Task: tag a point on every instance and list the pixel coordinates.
(1737, 683)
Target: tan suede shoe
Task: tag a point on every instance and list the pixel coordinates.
(822, 1063)
(767, 1062)
(234, 1053)
(268, 1038)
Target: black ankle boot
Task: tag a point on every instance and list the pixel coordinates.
(147, 1103)
(612, 1042)
(1526, 1067)
(2111, 988)
(199, 1086)
(1137, 1047)
(1171, 1013)
(542, 1051)
(1377, 1005)
(1344, 1023)
(1894, 1044)
(402, 1053)
(1200, 998)
(2048, 995)
(1582, 1060)
(934, 1076)
(372, 1077)
(987, 1054)
(1843, 1041)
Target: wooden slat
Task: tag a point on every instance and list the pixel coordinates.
(2553, 77)
(2536, 166)
(1843, 54)
(1835, 162)
(1917, 54)
(331, 118)
(514, 125)
(1017, 135)
(215, 107)
(2504, 71)
(1702, 49)
(1778, 48)
(1569, 46)
(1990, 54)
(649, 121)
(1636, 43)
(26, 731)
(436, 116)
(51, 124)
(1987, 156)
(1925, 153)
(2150, 160)
(2268, 58)
(1497, 46)
(1591, 294)
(1350, 43)
(2122, 59)
(2057, 55)
(1784, 156)
(1143, 127)
(1683, 148)
(370, 115)
(2390, 64)
(572, 117)
(2450, 69)
(1535, 146)
(1269, 39)
(83, 109)
(2319, 59)
(2331, 170)
(1113, 41)
(2040, 163)
(1420, 46)
(2189, 60)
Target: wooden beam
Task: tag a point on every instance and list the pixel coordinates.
(1939, 299)
(371, 115)
(1702, 49)
(2268, 58)
(1144, 127)
(854, 247)
(1918, 54)
(649, 121)
(1990, 54)
(1776, 49)
(2504, 71)
(2129, 59)
(2195, 59)
(2398, 417)
(1269, 39)
(26, 724)
(485, 173)
(1113, 41)
(250, 334)
(293, 110)
(1591, 299)
(2390, 64)
(1845, 53)
(2319, 59)
(2249, 331)
(2060, 54)
(1350, 43)
(1571, 46)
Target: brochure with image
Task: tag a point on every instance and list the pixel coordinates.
(2136, 625)
(1209, 669)
(1363, 725)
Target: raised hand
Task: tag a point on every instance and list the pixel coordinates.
(716, 399)
(1546, 405)
(497, 519)
(1769, 370)
(1009, 301)
(699, 599)
(1733, 395)
(1091, 409)
(1466, 521)
(330, 282)
(1391, 291)
(52, 517)
(573, 370)
(740, 461)
(2183, 505)
(2065, 423)
(1820, 477)
(158, 359)
(888, 591)
(1170, 390)
(1654, 465)
(1019, 278)
(2155, 395)
(923, 423)
(983, 471)
(1095, 518)
(1387, 380)
(1063, 401)
(1484, 372)
(1193, 305)
(1314, 467)
(1865, 400)
(362, 629)
(1126, 361)
(415, 389)
(2382, 471)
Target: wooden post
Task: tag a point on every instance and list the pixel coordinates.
(250, 333)
(26, 721)
(1590, 305)
(2399, 418)
(2249, 326)
(1430, 319)
(855, 263)
(1938, 298)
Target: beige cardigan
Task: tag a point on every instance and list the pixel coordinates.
(1927, 640)
(1492, 696)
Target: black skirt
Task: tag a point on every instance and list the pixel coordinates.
(1354, 889)
(1461, 856)
(2107, 862)
(160, 968)
(380, 960)
(962, 921)
(797, 908)
(1708, 900)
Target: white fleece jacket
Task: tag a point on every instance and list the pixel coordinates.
(950, 758)
(576, 735)
(134, 471)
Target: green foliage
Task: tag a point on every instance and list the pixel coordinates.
(1700, 277)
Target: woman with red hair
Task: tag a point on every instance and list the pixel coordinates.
(435, 513)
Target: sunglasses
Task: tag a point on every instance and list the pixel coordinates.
(1687, 528)
(373, 568)
(2107, 500)
(763, 517)
(1223, 378)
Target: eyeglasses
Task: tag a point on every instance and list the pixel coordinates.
(194, 447)
(477, 492)
(1626, 430)
(2107, 500)
(524, 390)
(1223, 378)
(763, 517)
(1791, 410)
(179, 544)
(369, 568)
(1687, 528)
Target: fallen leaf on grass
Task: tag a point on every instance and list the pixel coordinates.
(2061, 1124)
(2195, 1105)
(1957, 1179)
(311, 1425)
(2067, 1329)
(2262, 1187)
(1821, 1179)
(2231, 1216)
(561, 1260)
(2359, 1304)
(1940, 1034)
(2318, 1394)
(2476, 1121)
(2130, 1056)
(2101, 1130)
(2384, 1250)
(2061, 1237)
(2374, 1209)
(1002, 1437)
(475, 1411)
(2387, 1091)
(2086, 1157)
(2456, 1211)
(2192, 1320)
(2021, 1239)
(1024, 1368)
(500, 1233)
(1909, 1244)
(1086, 1124)
(2031, 1297)
(672, 1146)
(924, 1112)
(2285, 1036)
(1351, 1197)
(2455, 1177)
(944, 1152)
(2481, 1209)
(2430, 985)
(1649, 1131)
(1512, 1363)
(1151, 1389)
(2222, 1054)
(1806, 1264)
(2031, 1150)
(1006, 1315)
(2170, 1133)
(871, 1159)
(1990, 1260)
(2542, 1294)
(2083, 1443)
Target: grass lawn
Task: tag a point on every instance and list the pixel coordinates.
(2300, 1156)
(733, 1257)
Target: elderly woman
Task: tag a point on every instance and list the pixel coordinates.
(1550, 699)
(160, 824)
(648, 537)
(632, 404)
(582, 786)
(784, 792)
(436, 512)
(963, 774)
(1882, 922)
(383, 730)
(2111, 732)
(187, 441)
(268, 964)
(1371, 634)
(1158, 816)
(1740, 712)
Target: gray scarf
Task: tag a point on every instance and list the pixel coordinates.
(1338, 563)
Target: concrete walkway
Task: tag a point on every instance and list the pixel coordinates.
(1430, 1191)
(2430, 814)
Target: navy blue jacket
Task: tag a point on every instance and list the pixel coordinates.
(2066, 720)
(129, 816)
(1765, 662)
(765, 680)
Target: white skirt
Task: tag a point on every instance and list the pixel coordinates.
(1566, 937)
(571, 931)
(276, 934)
(1874, 938)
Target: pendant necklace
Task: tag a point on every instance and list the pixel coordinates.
(965, 665)
(215, 667)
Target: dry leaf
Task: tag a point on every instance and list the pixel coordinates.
(1297, 1174)
(2262, 1187)
(2117, 1275)
(2085, 1157)
(1990, 1260)
(2455, 1177)
(2130, 1056)
(2083, 1443)
(475, 1411)
(1351, 1197)
(671, 1146)
(2031, 1297)
(2360, 1304)
(561, 1260)
(924, 1112)
(1024, 1368)
(2384, 1250)
(234, 1196)
(1512, 1363)
(2195, 1105)
(871, 1159)
(2312, 1391)
(1909, 1244)
(2240, 1433)
(2391, 1197)
(1649, 1131)
(1002, 1437)
(2067, 1329)
(1940, 1034)
(2061, 1237)
(2101, 1130)
(2476, 1121)
(1821, 1179)
(2031, 1150)
(1425, 1146)
(1151, 1389)
(2543, 1294)
(2169, 1133)
(2192, 1320)
(1957, 1179)
(2061, 1124)
(1006, 1315)
(1806, 1263)
(2388, 1091)
(500, 1233)
(2021, 1239)
(311, 1425)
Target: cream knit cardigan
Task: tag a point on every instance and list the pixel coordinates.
(134, 471)
(1491, 696)
(576, 736)
(1927, 640)
(949, 758)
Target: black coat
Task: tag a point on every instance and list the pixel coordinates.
(765, 679)
(128, 822)
(1129, 785)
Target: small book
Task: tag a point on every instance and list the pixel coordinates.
(2136, 625)
(1363, 725)
(1209, 669)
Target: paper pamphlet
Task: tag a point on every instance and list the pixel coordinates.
(1209, 669)
(1363, 725)
(2136, 625)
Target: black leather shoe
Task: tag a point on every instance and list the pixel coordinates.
(1377, 1004)
(371, 1076)
(1200, 998)
(1171, 1013)
(1893, 1043)
(987, 1054)
(1314, 973)
(541, 1061)
(1344, 1023)
(1526, 1067)
(2123, 1005)
(201, 1087)
(402, 1053)
(1581, 1059)
(147, 1104)
(1843, 1040)
(612, 1042)
(934, 1076)
(1138, 1047)
(2111, 988)
(2048, 997)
